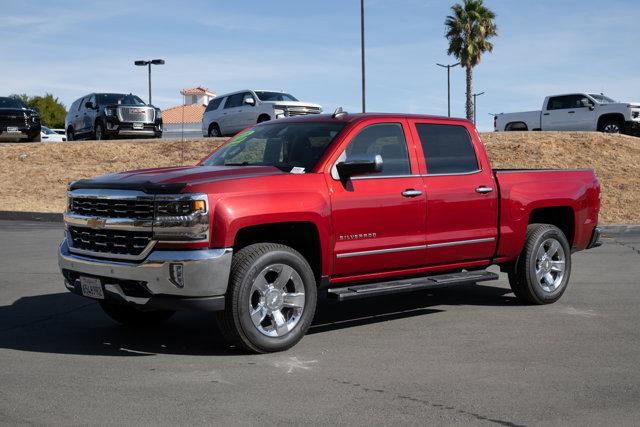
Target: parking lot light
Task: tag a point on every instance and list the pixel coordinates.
(149, 63)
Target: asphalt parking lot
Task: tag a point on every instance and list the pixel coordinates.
(459, 355)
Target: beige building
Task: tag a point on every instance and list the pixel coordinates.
(189, 115)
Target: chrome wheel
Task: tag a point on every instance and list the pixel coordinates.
(276, 300)
(611, 128)
(550, 265)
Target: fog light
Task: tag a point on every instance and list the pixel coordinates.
(176, 275)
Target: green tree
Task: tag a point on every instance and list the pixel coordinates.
(52, 111)
(468, 30)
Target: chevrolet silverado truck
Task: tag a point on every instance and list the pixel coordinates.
(575, 112)
(345, 206)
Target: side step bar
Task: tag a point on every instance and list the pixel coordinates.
(410, 285)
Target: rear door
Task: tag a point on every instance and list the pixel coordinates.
(462, 203)
(379, 219)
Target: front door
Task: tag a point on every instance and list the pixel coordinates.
(462, 198)
(379, 219)
(229, 120)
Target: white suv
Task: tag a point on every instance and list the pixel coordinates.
(230, 113)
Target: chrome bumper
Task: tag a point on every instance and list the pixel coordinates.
(205, 275)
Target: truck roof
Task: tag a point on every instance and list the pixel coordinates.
(352, 117)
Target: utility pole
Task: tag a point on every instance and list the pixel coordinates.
(149, 63)
(364, 104)
(448, 67)
(475, 103)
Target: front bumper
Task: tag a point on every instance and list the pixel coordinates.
(149, 284)
(24, 132)
(114, 128)
(632, 127)
(595, 238)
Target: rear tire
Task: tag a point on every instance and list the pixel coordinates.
(542, 272)
(99, 132)
(263, 118)
(37, 138)
(131, 316)
(70, 136)
(271, 299)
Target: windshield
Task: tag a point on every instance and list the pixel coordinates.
(11, 103)
(601, 99)
(118, 99)
(47, 131)
(291, 147)
(274, 96)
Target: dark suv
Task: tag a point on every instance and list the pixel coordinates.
(111, 115)
(18, 122)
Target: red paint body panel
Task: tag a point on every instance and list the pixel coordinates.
(370, 214)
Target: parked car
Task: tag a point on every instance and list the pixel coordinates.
(230, 113)
(112, 115)
(575, 112)
(48, 135)
(350, 206)
(17, 121)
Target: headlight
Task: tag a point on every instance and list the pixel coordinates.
(636, 114)
(158, 113)
(181, 218)
(110, 111)
(279, 112)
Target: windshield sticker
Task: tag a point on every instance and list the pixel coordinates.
(297, 169)
(238, 139)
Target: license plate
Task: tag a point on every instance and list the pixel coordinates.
(138, 126)
(12, 129)
(91, 287)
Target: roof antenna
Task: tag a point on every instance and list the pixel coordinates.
(339, 112)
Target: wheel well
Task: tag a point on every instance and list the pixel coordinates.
(301, 236)
(516, 126)
(263, 118)
(616, 116)
(560, 216)
(212, 124)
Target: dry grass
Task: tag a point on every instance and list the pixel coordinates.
(34, 176)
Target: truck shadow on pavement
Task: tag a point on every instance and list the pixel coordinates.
(64, 323)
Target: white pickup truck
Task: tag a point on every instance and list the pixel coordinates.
(575, 112)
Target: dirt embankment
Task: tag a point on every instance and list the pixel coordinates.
(34, 176)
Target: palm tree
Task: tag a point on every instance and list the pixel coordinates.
(468, 31)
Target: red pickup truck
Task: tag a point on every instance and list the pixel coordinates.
(348, 205)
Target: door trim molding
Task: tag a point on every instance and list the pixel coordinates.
(460, 242)
(381, 251)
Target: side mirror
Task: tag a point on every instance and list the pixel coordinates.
(250, 101)
(592, 107)
(359, 165)
(36, 109)
(88, 105)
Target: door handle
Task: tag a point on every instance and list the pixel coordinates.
(545, 114)
(484, 190)
(410, 192)
(571, 112)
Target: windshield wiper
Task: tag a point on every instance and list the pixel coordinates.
(236, 164)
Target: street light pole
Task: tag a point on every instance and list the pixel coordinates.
(362, 54)
(448, 67)
(149, 63)
(475, 103)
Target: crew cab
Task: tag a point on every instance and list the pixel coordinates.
(230, 113)
(102, 116)
(18, 122)
(346, 205)
(575, 112)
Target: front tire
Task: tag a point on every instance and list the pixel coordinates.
(214, 131)
(611, 126)
(541, 274)
(70, 136)
(271, 299)
(131, 316)
(99, 132)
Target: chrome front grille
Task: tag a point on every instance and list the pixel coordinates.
(301, 111)
(109, 242)
(13, 119)
(112, 208)
(136, 114)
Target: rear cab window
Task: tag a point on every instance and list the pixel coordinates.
(214, 104)
(447, 149)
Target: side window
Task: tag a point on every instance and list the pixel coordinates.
(234, 100)
(74, 106)
(387, 140)
(82, 101)
(93, 100)
(447, 149)
(556, 103)
(214, 104)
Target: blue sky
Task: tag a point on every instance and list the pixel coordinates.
(312, 48)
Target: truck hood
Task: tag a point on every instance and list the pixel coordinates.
(172, 180)
(292, 104)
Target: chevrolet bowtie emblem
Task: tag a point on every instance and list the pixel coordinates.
(96, 223)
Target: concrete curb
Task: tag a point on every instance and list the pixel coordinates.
(612, 229)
